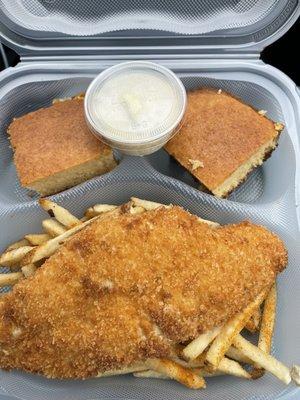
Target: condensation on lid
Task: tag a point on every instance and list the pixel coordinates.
(135, 102)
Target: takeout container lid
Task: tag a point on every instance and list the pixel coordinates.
(143, 29)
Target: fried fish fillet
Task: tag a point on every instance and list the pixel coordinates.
(129, 287)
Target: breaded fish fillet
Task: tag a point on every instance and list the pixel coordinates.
(129, 287)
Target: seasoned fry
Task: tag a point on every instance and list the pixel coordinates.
(175, 371)
(206, 374)
(28, 270)
(99, 209)
(61, 214)
(151, 205)
(227, 367)
(48, 248)
(224, 340)
(13, 257)
(153, 374)
(198, 345)
(146, 204)
(268, 321)
(231, 367)
(10, 279)
(250, 325)
(52, 227)
(206, 221)
(253, 323)
(237, 355)
(37, 239)
(136, 210)
(150, 374)
(263, 359)
(123, 371)
(198, 363)
(267, 327)
(16, 245)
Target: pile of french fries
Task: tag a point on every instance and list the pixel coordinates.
(221, 351)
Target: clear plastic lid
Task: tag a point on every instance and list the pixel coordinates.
(135, 106)
(68, 27)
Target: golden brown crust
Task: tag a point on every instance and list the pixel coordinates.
(222, 133)
(128, 287)
(53, 139)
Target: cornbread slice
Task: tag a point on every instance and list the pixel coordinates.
(54, 149)
(222, 140)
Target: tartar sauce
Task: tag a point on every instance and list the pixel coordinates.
(135, 107)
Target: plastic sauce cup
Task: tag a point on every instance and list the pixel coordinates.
(135, 107)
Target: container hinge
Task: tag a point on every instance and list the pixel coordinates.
(113, 59)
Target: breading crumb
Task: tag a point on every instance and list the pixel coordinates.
(16, 332)
(219, 91)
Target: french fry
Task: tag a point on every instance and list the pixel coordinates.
(136, 210)
(263, 359)
(211, 223)
(52, 227)
(267, 327)
(48, 248)
(237, 355)
(151, 205)
(225, 367)
(28, 270)
(13, 257)
(198, 363)
(224, 340)
(98, 209)
(231, 367)
(123, 371)
(153, 374)
(61, 214)
(175, 371)
(150, 374)
(38, 238)
(250, 325)
(10, 279)
(101, 209)
(253, 323)
(16, 245)
(206, 374)
(268, 321)
(147, 205)
(198, 345)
